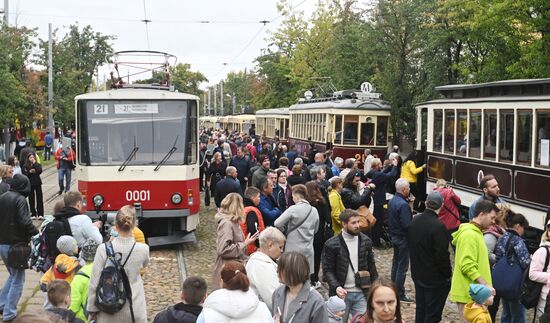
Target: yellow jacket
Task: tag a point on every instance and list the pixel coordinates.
(65, 268)
(138, 235)
(477, 314)
(409, 171)
(337, 207)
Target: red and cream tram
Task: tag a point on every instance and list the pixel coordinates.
(500, 128)
(347, 123)
(273, 122)
(139, 146)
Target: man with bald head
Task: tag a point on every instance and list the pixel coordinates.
(320, 162)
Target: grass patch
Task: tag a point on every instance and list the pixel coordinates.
(43, 162)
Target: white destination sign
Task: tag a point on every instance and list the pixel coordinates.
(544, 152)
(136, 108)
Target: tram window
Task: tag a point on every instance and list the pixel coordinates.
(350, 130)
(490, 135)
(438, 125)
(338, 130)
(506, 135)
(475, 134)
(449, 131)
(381, 131)
(543, 138)
(191, 134)
(525, 126)
(461, 128)
(367, 132)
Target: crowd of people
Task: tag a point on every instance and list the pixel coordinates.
(285, 224)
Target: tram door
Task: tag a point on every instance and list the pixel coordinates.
(422, 155)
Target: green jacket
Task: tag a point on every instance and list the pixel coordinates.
(79, 291)
(471, 262)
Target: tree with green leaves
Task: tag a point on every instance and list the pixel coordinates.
(76, 58)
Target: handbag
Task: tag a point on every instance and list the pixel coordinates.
(366, 219)
(18, 255)
(362, 277)
(507, 276)
(530, 290)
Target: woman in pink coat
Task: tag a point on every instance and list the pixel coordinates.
(536, 270)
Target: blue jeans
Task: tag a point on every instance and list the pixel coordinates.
(512, 311)
(400, 264)
(356, 303)
(13, 287)
(65, 173)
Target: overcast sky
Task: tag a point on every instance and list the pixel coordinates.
(234, 35)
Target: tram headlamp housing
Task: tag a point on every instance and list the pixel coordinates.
(98, 200)
(176, 198)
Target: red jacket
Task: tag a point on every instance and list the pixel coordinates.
(449, 214)
(59, 156)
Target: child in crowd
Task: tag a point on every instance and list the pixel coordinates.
(81, 281)
(476, 311)
(336, 308)
(59, 296)
(193, 294)
(254, 219)
(66, 264)
(136, 232)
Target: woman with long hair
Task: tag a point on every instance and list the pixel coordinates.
(230, 241)
(13, 161)
(32, 169)
(318, 201)
(351, 197)
(294, 300)
(134, 256)
(282, 192)
(235, 301)
(299, 223)
(336, 204)
(512, 246)
(383, 304)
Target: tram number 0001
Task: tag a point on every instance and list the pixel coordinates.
(138, 195)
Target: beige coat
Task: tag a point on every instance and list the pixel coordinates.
(229, 245)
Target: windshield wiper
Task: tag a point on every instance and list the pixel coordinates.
(132, 154)
(168, 155)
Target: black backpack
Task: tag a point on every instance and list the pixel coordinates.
(530, 290)
(114, 287)
(53, 230)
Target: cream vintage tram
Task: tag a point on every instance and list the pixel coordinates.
(500, 128)
(271, 123)
(239, 123)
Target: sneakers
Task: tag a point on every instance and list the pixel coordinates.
(406, 299)
(33, 217)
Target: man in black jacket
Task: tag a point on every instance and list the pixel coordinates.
(15, 227)
(229, 184)
(430, 265)
(192, 295)
(343, 256)
(242, 163)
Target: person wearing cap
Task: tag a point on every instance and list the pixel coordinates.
(81, 281)
(476, 311)
(262, 171)
(431, 270)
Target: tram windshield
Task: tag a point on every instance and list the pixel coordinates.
(109, 131)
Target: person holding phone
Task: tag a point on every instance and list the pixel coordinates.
(230, 241)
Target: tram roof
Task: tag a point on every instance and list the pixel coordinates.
(514, 82)
(136, 94)
(277, 111)
(357, 104)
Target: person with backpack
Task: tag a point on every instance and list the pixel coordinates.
(65, 266)
(80, 225)
(538, 272)
(116, 292)
(81, 281)
(16, 229)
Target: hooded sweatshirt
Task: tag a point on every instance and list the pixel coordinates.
(82, 227)
(476, 314)
(179, 313)
(471, 261)
(15, 222)
(65, 268)
(234, 306)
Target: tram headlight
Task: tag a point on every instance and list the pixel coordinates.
(98, 200)
(176, 198)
